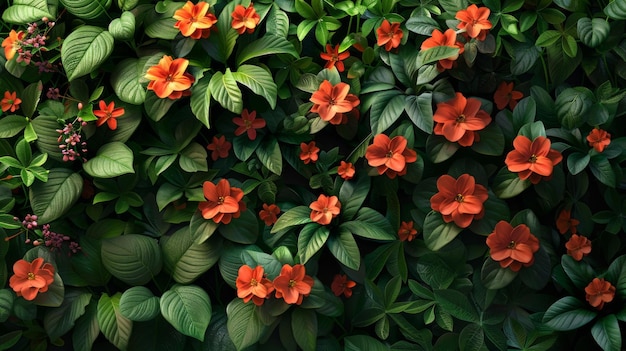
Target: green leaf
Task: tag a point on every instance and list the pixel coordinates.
(86, 9)
(508, 184)
(266, 45)
(568, 313)
(311, 239)
(435, 54)
(11, 125)
(123, 28)
(54, 198)
(606, 332)
(438, 233)
(304, 326)
(26, 11)
(293, 217)
(87, 329)
(224, 90)
(363, 343)
(435, 272)
(616, 274)
(571, 106)
(115, 327)
(548, 38)
(9, 339)
(422, 25)
(126, 80)
(193, 158)
(243, 230)
(615, 10)
(270, 155)
(60, 320)
(472, 338)
(352, 194)
(277, 22)
(139, 304)
(201, 229)
(491, 141)
(244, 326)
(134, 259)
(370, 224)
(577, 162)
(259, 81)
(84, 50)
(6, 304)
(592, 32)
(420, 111)
(494, 277)
(580, 273)
(89, 264)
(201, 100)
(30, 98)
(188, 309)
(439, 149)
(185, 259)
(345, 249)
(112, 160)
(602, 170)
(457, 304)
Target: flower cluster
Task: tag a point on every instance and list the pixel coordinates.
(30, 45)
(71, 144)
(292, 284)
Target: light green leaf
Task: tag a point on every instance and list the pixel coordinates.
(115, 327)
(592, 32)
(259, 81)
(438, 233)
(11, 125)
(135, 259)
(311, 239)
(277, 22)
(508, 184)
(54, 198)
(86, 330)
(30, 98)
(420, 111)
(201, 100)
(293, 217)
(221, 44)
(224, 89)
(370, 224)
(345, 249)
(435, 54)
(112, 160)
(186, 259)
(139, 304)
(193, 158)
(616, 10)
(26, 11)
(84, 50)
(188, 309)
(86, 9)
(270, 155)
(244, 326)
(201, 229)
(126, 80)
(60, 320)
(123, 28)
(266, 45)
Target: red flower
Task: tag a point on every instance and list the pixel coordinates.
(223, 202)
(598, 292)
(329, 100)
(10, 102)
(309, 152)
(168, 78)
(390, 155)
(475, 21)
(389, 35)
(248, 123)
(324, 209)
(505, 95)
(597, 138)
(108, 114)
(12, 43)
(244, 19)
(252, 285)
(565, 223)
(31, 278)
(406, 231)
(194, 20)
(533, 160)
(447, 38)
(269, 214)
(342, 285)
(219, 147)
(293, 284)
(346, 170)
(512, 247)
(459, 119)
(578, 246)
(459, 200)
(334, 58)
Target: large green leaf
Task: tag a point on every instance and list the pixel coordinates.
(112, 160)
(139, 304)
(277, 22)
(364, 343)
(87, 329)
(420, 111)
(123, 28)
(572, 105)
(193, 158)
(304, 326)
(60, 320)
(435, 54)
(508, 184)
(311, 239)
(457, 304)
(26, 11)
(259, 81)
(86, 9)
(201, 229)
(135, 259)
(221, 44)
(115, 327)
(370, 224)
(616, 274)
(201, 100)
(85, 49)
(244, 326)
(580, 273)
(606, 332)
(616, 10)
(345, 249)
(352, 194)
(54, 198)
(592, 32)
(11, 125)
(126, 80)
(438, 233)
(494, 276)
(266, 45)
(185, 259)
(224, 90)
(568, 313)
(188, 309)
(293, 217)
(472, 338)
(242, 230)
(270, 155)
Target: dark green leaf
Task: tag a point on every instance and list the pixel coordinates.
(568, 313)
(457, 304)
(606, 332)
(311, 239)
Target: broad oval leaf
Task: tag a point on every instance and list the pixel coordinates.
(494, 276)
(85, 49)
(370, 224)
(54, 198)
(293, 217)
(438, 233)
(86, 9)
(132, 258)
(508, 184)
(270, 155)
(568, 313)
(266, 45)
(11, 125)
(304, 326)
(457, 304)
(616, 10)
(259, 81)
(185, 259)
(60, 320)
(112, 160)
(244, 326)
(345, 249)
(224, 90)
(123, 28)
(139, 304)
(201, 100)
(26, 11)
(420, 111)
(606, 332)
(311, 239)
(188, 309)
(126, 81)
(115, 327)
(593, 32)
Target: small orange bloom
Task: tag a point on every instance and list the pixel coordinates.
(406, 231)
(512, 247)
(565, 223)
(269, 214)
(31, 278)
(447, 38)
(598, 292)
(12, 43)
(505, 95)
(389, 35)
(532, 160)
(599, 139)
(342, 285)
(578, 246)
(390, 155)
(10, 102)
(252, 285)
(194, 20)
(459, 119)
(346, 170)
(334, 58)
(248, 123)
(219, 147)
(108, 113)
(293, 284)
(324, 209)
(223, 202)
(475, 21)
(459, 200)
(168, 78)
(309, 152)
(329, 100)
(244, 19)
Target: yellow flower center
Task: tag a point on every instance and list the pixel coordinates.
(389, 154)
(31, 276)
(460, 119)
(220, 200)
(292, 283)
(459, 198)
(533, 158)
(254, 282)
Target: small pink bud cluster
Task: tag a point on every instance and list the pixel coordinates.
(33, 44)
(30, 222)
(55, 241)
(71, 145)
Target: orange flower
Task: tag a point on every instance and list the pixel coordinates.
(334, 58)
(565, 223)
(346, 170)
(269, 214)
(597, 138)
(168, 78)
(12, 43)
(194, 20)
(578, 246)
(447, 38)
(324, 209)
(223, 202)
(108, 114)
(293, 284)
(406, 231)
(459, 119)
(512, 247)
(219, 147)
(10, 102)
(390, 155)
(389, 35)
(31, 278)
(475, 21)
(342, 285)
(330, 100)
(505, 95)
(252, 285)
(244, 19)
(309, 152)
(459, 200)
(598, 292)
(248, 123)
(533, 160)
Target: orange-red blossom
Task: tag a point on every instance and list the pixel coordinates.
(459, 120)
(31, 278)
(599, 292)
(223, 202)
(390, 156)
(293, 284)
(533, 160)
(512, 247)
